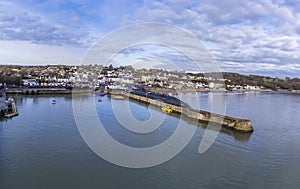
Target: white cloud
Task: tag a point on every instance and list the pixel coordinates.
(19, 24)
(245, 32)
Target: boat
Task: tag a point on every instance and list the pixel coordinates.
(53, 101)
(166, 110)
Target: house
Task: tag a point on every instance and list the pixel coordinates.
(215, 85)
(29, 82)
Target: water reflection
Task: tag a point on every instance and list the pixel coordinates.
(43, 145)
(237, 135)
(21, 99)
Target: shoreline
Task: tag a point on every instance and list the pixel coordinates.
(183, 91)
(46, 91)
(50, 91)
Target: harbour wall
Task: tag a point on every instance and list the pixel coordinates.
(241, 125)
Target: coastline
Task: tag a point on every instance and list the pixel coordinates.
(46, 91)
(183, 91)
(51, 91)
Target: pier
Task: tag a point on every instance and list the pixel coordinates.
(179, 107)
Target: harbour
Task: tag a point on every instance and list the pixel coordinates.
(42, 147)
(167, 103)
(149, 94)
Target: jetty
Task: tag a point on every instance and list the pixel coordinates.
(177, 106)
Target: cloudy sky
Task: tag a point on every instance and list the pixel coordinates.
(253, 37)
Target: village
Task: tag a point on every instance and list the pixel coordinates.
(123, 77)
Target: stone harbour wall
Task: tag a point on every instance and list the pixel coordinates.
(242, 125)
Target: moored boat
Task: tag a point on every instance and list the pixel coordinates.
(53, 101)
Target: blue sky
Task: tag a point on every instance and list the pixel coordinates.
(257, 37)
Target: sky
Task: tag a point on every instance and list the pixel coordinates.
(244, 36)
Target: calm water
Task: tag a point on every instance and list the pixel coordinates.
(42, 147)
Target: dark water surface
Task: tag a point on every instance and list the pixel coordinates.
(42, 147)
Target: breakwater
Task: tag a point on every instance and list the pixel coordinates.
(179, 107)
